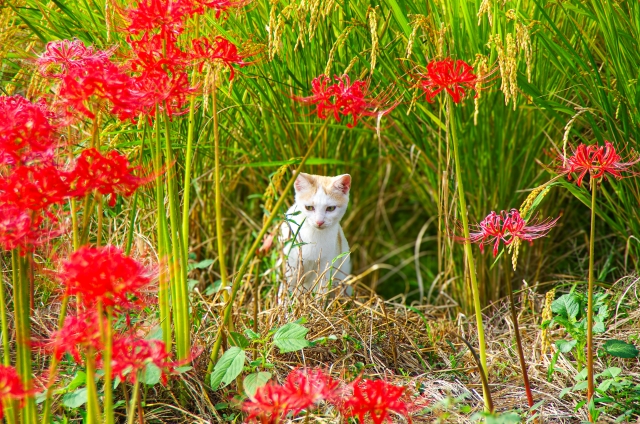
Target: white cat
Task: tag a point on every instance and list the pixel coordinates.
(312, 229)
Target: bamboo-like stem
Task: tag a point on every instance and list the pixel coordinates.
(23, 332)
(134, 400)
(177, 265)
(93, 408)
(10, 406)
(218, 194)
(467, 243)
(592, 238)
(99, 199)
(6, 354)
(163, 283)
(74, 221)
(107, 341)
(516, 329)
(252, 251)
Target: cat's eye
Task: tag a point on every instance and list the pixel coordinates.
(309, 208)
(331, 208)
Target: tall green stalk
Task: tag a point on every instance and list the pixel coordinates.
(253, 249)
(23, 331)
(467, 242)
(592, 238)
(218, 194)
(163, 280)
(177, 263)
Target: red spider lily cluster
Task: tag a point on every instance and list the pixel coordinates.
(104, 275)
(597, 161)
(11, 387)
(221, 51)
(132, 355)
(343, 98)
(456, 77)
(79, 333)
(508, 227)
(304, 389)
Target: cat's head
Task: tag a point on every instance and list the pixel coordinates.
(322, 200)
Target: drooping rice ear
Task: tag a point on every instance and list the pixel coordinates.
(342, 183)
(304, 182)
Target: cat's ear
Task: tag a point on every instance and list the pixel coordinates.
(304, 182)
(342, 183)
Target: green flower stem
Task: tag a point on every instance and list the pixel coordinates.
(23, 331)
(53, 366)
(134, 401)
(218, 194)
(592, 239)
(177, 264)
(254, 247)
(467, 243)
(100, 202)
(163, 282)
(6, 354)
(74, 220)
(107, 339)
(93, 408)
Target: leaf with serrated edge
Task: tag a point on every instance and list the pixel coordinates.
(228, 367)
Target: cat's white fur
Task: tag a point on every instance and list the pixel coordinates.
(319, 238)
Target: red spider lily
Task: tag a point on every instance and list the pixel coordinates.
(165, 15)
(18, 229)
(132, 355)
(152, 54)
(79, 334)
(25, 130)
(11, 387)
(302, 389)
(307, 387)
(169, 92)
(62, 56)
(35, 187)
(268, 405)
(220, 6)
(597, 161)
(220, 51)
(109, 174)
(456, 77)
(378, 399)
(84, 90)
(104, 274)
(342, 98)
(507, 227)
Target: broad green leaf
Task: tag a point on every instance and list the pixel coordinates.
(291, 337)
(78, 380)
(565, 346)
(254, 381)
(151, 375)
(620, 349)
(567, 305)
(200, 265)
(155, 333)
(237, 339)
(228, 367)
(75, 399)
(251, 334)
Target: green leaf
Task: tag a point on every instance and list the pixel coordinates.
(151, 375)
(237, 339)
(155, 333)
(567, 305)
(76, 398)
(228, 367)
(78, 380)
(620, 349)
(565, 346)
(251, 334)
(200, 265)
(291, 337)
(254, 381)
(563, 392)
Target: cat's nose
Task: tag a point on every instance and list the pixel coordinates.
(319, 223)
